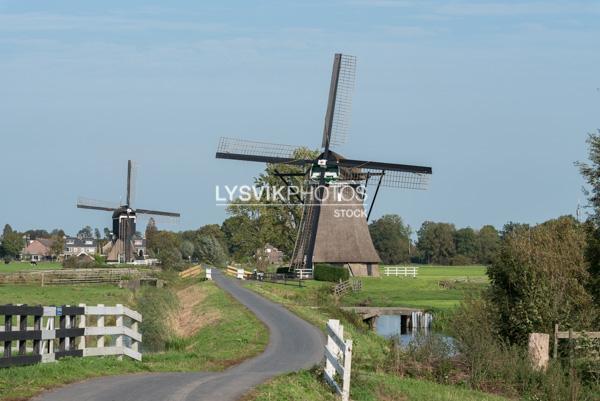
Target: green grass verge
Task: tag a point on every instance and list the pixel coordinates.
(90, 294)
(235, 335)
(304, 386)
(369, 359)
(434, 288)
(26, 266)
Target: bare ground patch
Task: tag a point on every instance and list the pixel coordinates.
(190, 317)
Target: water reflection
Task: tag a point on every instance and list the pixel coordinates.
(398, 326)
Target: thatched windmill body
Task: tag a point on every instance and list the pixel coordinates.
(334, 227)
(124, 216)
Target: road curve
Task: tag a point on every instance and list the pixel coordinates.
(293, 345)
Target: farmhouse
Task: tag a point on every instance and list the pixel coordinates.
(37, 250)
(270, 254)
(80, 246)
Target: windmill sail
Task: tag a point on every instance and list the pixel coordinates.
(239, 149)
(339, 106)
(94, 204)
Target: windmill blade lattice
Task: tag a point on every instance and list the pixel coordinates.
(240, 149)
(88, 203)
(342, 89)
(395, 179)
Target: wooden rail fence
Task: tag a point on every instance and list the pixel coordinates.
(75, 276)
(344, 286)
(338, 359)
(398, 271)
(238, 272)
(193, 271)
(570, 335)
(77, 327)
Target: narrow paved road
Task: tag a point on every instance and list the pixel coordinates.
(293, 345)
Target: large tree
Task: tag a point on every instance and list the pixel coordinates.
(539, 278)
(465, 242)
(591, 172)
(258, 221)
(488, 244)
(12, 243)
(58, 245)
(85, 232)
(391, 238)
(436, 242)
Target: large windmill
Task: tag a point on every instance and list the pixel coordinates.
(124, 216)
(325, 235)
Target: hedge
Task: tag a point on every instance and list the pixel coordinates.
(327, 272)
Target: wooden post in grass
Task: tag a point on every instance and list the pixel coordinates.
(539, 350)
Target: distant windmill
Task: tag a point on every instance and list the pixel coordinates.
(323, 236)
(121, 248)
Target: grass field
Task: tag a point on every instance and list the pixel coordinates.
(26, 266)
(435, 288)
(90, 294)
(370, 356)
(228, 333)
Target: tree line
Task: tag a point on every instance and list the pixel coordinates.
(437, 243)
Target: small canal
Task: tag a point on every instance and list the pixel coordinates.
(407, 335)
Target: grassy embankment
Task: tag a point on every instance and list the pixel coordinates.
(26, 266)
(224, 332)
(371, 353)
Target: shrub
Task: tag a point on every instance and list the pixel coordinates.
(327, 272)
(461, 260)
(282, 270)
(76, 262)
(539, 278)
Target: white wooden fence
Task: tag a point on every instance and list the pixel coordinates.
(398, 271)
(338, 359)
(304, 274)
(130, 333)
(62, 331)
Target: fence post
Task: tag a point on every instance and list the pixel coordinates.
(81, 325)
(119, 324)
(555, 350)
(538, 348)
(208, 274)
(100, 323)
(347, 367)
(22, 327)
(329, 369)
(134, 344)
(37, 326)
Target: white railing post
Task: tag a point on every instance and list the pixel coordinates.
(119, 324)
(100, 323)
(209, 274)
(68, 325)
(329, 369)
(338, 359)
(347, 368)
(82, 326)
(134, 343)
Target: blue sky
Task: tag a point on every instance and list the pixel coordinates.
(497, 97)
